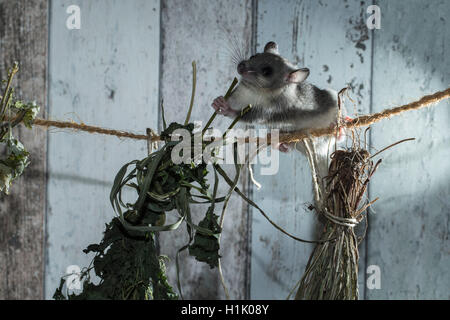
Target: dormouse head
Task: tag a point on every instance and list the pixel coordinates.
(269, 70)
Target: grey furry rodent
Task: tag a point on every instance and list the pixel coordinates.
(282, 99)
(279, 95)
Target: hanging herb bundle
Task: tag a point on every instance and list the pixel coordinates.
(128, 266)
(332, 269)
(12, 112)
(126, 260)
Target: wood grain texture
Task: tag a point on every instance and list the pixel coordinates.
(409, 231)
(23, 38)
(109, 73)
(105, 73)
(198, 30)
(331, 39)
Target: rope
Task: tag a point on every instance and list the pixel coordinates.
(367, 120)
(346, 222)
(361, 121)
(90, 129)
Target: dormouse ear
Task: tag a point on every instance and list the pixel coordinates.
(298, 75)
(271, 47)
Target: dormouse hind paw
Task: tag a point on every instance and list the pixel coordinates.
(342, 131)
(283, 147)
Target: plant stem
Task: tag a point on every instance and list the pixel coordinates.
(7, 95)
(240, 115)
(163, 116)
(194, 81)
(227, 95)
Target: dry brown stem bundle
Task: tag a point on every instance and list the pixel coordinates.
(332, 270)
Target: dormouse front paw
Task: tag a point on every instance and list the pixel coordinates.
(223, 107)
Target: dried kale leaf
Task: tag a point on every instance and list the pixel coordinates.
(126, 259)
(128, 266)
(29, 110)
(205, 248)
(13, 165)
(165, 135)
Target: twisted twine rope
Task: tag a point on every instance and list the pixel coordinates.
(367, 120)
(361, 121)
(90, 129)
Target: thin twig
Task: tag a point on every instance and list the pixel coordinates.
(194, 82)
(227, 95)
(390, 146)
(7, 95)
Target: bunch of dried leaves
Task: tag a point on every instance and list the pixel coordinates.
(126, 261)
(12, 112)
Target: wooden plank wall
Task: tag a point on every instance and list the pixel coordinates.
(129, 54)
(199, 30)
(106, 74)
(23, 38)
(406, 59)
(105, 50)
(331, 40)
(408, 237)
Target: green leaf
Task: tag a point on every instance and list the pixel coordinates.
(206, 247)
(128, 266)
(30, 112)
(13, 165)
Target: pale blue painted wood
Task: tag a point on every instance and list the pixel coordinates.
(104, 74)
(408, 237)
(117, 49)
(200, 30)
(330, 38)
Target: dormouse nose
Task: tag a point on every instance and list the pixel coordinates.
(242, 67)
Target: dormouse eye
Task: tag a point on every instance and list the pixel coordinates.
(267, 71)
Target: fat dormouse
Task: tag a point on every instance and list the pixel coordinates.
(280, 96)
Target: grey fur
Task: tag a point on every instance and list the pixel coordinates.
(282, 99)
(269, 84)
